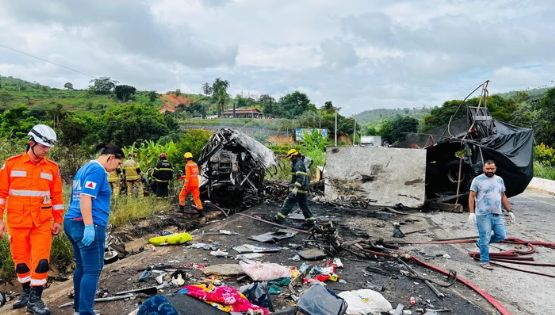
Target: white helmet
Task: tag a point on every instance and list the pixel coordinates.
(43, 134)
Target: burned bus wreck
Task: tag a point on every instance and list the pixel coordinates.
(232, 166)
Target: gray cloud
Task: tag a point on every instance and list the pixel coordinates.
(359, 55)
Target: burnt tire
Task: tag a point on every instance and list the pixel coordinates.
(452, 172)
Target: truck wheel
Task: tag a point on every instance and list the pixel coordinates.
(452, 172)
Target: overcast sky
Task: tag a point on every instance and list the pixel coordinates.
(358, 54)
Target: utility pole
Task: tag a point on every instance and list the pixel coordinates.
(354, 133)
(335, 129)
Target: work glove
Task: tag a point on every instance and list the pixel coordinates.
(88, 235)
(295, 191)
(472, 218)
(512, 217)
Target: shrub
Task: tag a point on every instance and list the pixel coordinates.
(543, 171)
(544, 154)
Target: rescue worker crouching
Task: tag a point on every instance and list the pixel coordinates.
(31, 192)
(162, 175)
(191, 185)
(133, 178)
(298, 190)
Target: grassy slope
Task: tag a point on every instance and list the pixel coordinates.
(18, 92)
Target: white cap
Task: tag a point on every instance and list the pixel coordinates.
(43, 134)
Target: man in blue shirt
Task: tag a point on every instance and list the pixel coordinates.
(92, 181)
(486, 201)
(85, 224)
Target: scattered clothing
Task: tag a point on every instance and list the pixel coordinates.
(225, 298)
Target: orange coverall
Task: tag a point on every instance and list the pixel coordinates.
(32, 195)
(191, 185)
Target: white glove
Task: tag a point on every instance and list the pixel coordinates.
(295, 191)
(472, 218)
(512, 217)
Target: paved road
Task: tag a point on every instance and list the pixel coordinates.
(521, 293)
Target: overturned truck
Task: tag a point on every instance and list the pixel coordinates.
(232, 167)
(436, 168)
(458, 157)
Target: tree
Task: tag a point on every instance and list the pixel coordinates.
(68, 86)
(152, 96)
(293, 105)
(124, 125)
(103, 85)
(16, 122)
(439, 116)
(328, 107)
(124, 92)
(546, 127)
(268, 103)
(395, 130)
(219, 92)
(244, 101)
(207, 89)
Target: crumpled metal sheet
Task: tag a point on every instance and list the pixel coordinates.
(269, 237)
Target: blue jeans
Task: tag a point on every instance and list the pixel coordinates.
(89, 262)
(488, 223)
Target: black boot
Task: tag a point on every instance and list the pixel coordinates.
(36, 305)
(24, 297)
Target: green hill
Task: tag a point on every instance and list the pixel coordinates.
(16, 92)
(377, 115)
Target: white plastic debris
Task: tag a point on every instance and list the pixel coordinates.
(337, 262)
(250, 256)
(258, 271)
(219, 253)
(365, 301)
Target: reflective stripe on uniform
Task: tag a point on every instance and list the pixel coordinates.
(37, 282)
(28, 193)
(58, 207)
(46, 176)
(24, 279)
(15, 173)
(301, 173)
(280, 215)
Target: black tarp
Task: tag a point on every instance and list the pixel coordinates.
(512, 149)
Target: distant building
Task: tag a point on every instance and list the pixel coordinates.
(243, 113)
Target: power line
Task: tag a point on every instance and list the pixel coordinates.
(47, 61)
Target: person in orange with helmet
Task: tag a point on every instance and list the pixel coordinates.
(191, 185)
(31, 192)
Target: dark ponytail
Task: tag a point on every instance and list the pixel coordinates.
(104, 149)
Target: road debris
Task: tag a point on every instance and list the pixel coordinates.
(248, 248)
(172, 239)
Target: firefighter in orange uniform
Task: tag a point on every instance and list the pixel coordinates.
(31, 192)
(191, 185)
